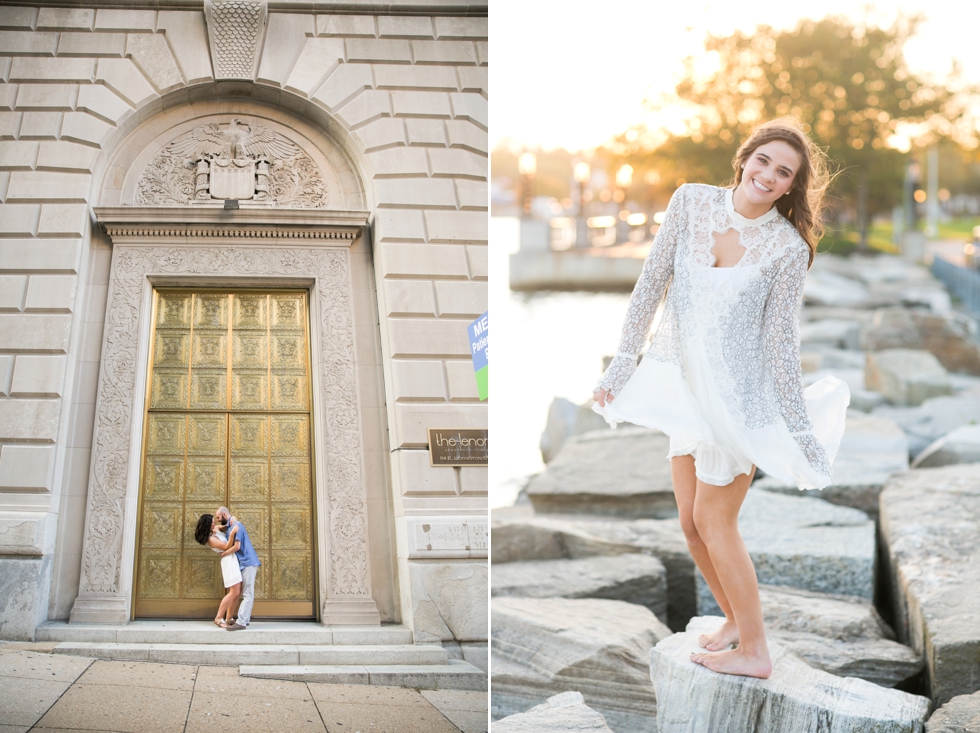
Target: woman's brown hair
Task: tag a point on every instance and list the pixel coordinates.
(804, 203)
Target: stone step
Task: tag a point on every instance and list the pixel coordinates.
(456, 675)
(205, 632)
(233, 655)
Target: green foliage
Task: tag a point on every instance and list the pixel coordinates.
(846, 82)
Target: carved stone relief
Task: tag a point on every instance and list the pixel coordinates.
(235, 29)
(235, 160)
(344, 492)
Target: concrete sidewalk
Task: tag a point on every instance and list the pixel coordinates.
(50, 692)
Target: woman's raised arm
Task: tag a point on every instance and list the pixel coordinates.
(647, 294)
(781, 341)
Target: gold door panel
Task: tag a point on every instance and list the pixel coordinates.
(227, 423)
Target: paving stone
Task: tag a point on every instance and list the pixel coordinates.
(252, 714)
(385, 719)
(795, 698)
(634, 578)
(598, 647)
(23, 701)
(560, 713)
(930, 521)
(141, 674)
(85, 706)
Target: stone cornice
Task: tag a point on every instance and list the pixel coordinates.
(419, 7)
(166, 225)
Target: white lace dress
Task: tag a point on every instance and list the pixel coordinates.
(231, 574)
(722, 374)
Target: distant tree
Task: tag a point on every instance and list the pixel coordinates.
(848, 84)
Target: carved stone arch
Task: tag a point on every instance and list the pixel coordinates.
(331, 160)
(262, 245)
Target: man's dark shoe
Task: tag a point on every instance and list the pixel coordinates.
(235, 627)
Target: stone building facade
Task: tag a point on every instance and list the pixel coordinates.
(240, 243)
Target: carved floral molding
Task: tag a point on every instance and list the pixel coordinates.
(343, 491)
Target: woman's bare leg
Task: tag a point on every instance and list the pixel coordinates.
(223, 607)
(234, 595)
(716, 518)
(685, 487)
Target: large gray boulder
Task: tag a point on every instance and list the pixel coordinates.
(543, 646)
(872, 449)
(950, 337)
(818, 357)
(930, 525)
(932, 419)
(634, 578)
(517, 538)
(959, 715)
(906, 376)
(823, 287)
(843, 635)
(565, 419)
(804, 543)
(796, 697)
(619, 473)
(835, 333)
(562, 713)
(840, 617)
(883, 662)
(961, 445)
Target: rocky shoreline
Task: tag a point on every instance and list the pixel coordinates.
(869, 588)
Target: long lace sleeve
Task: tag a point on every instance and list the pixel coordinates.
(781, 341)
(647, 294)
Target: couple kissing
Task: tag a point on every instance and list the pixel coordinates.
(224, 534)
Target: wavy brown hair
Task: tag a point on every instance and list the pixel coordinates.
(804, 203)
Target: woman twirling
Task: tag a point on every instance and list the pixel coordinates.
(722, 375)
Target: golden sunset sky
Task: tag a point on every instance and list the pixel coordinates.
(573, 74)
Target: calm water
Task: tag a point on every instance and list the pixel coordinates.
(546, 345)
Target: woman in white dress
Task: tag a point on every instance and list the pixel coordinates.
(722, 374)
(209, 533)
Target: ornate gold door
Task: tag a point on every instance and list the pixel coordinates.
(228, 422)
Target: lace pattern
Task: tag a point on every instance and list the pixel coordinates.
(749, 325)
(647, 294)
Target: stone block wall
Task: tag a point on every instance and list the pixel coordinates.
(405, 96)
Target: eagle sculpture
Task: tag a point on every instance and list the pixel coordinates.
(238, 141)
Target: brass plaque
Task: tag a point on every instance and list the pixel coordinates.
(228, 422)
(458, 447)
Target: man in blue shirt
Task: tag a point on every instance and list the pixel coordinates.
(249, 563)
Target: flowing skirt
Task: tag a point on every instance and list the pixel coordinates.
(694, 414)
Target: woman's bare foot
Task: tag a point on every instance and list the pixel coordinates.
(735, 662)
(721, 638)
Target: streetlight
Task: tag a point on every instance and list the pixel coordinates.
(582, 172)
(527, 166)
(624, 179)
